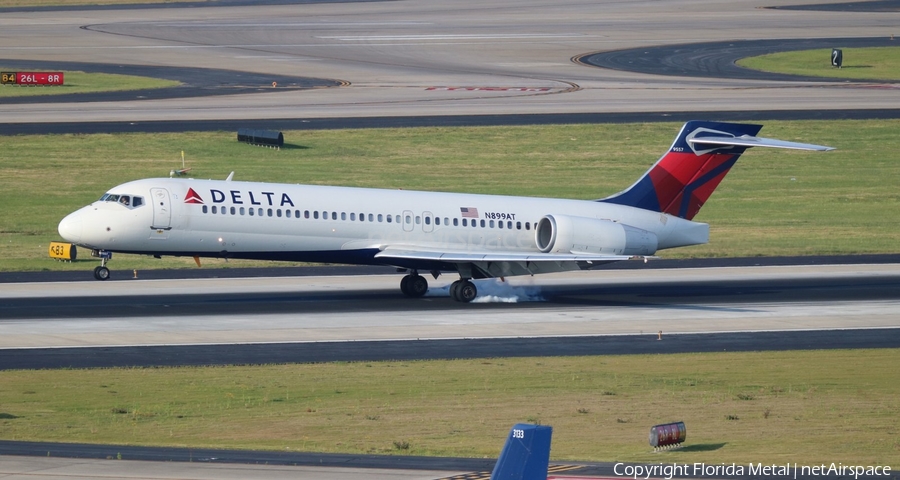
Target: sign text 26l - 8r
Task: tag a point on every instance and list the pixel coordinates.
(32, 78)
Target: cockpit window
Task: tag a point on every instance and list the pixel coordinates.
(126, 200)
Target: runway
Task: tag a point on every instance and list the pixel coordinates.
(188, 321)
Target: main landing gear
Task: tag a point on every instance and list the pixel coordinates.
(415, 286)
(463, 291)
(101, 272)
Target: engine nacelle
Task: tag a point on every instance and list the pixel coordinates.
(566, 234)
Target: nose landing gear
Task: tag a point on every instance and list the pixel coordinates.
(101, 272)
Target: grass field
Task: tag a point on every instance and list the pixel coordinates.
(876, 63)
(81, 82)
(774, 202)
(773, 407)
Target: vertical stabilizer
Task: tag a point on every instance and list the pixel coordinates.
(702, 154)
(684, 178)
(526, 455)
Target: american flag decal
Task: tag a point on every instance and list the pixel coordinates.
(468, 212)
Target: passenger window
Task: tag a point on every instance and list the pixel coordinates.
(232, 210)
(362, 217)
(427, 220)
(398, 218)
(352, 217)
(269, 211)
(215, 209)
(492, 223)
(455, 222)
(334, 215)
(316, 214)
(242, 211)
(343, 215)
(527, 226)
(278, 213)
(380, 217)
(389, 218)
(204, 209)
(518, 225)
(465, 223)
(287, 213)
(250, 211)
(500, 224)
(297, 213)
(408, 219)
(259, 212)
(371, 217)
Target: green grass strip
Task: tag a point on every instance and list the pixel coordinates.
(81, 82)
(774, 202)
(875, 63)
(808, 407)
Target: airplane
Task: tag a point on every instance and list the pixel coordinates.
(476, 236)
(525, 455)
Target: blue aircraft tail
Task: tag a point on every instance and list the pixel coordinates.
(526, 455)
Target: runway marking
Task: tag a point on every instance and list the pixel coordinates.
(496, 36)
(269, 25)
(490, 89)
(552, 469)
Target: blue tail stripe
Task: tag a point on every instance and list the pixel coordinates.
(526, 454)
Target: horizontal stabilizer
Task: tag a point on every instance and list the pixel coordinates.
(748, 141)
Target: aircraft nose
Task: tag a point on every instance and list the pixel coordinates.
(70, 228)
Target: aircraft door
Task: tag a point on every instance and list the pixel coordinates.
(162, 212)
(407, 219)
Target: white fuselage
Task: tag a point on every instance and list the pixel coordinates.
(332, 224)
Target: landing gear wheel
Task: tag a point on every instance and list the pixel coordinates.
(465, 291)
(101, 273)
(404, 285)
(414, 286)
(453, 288)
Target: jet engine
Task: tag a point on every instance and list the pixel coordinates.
(567, 234)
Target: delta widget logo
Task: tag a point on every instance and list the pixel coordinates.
(192, 197)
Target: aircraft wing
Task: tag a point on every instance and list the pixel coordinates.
(498, 263)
